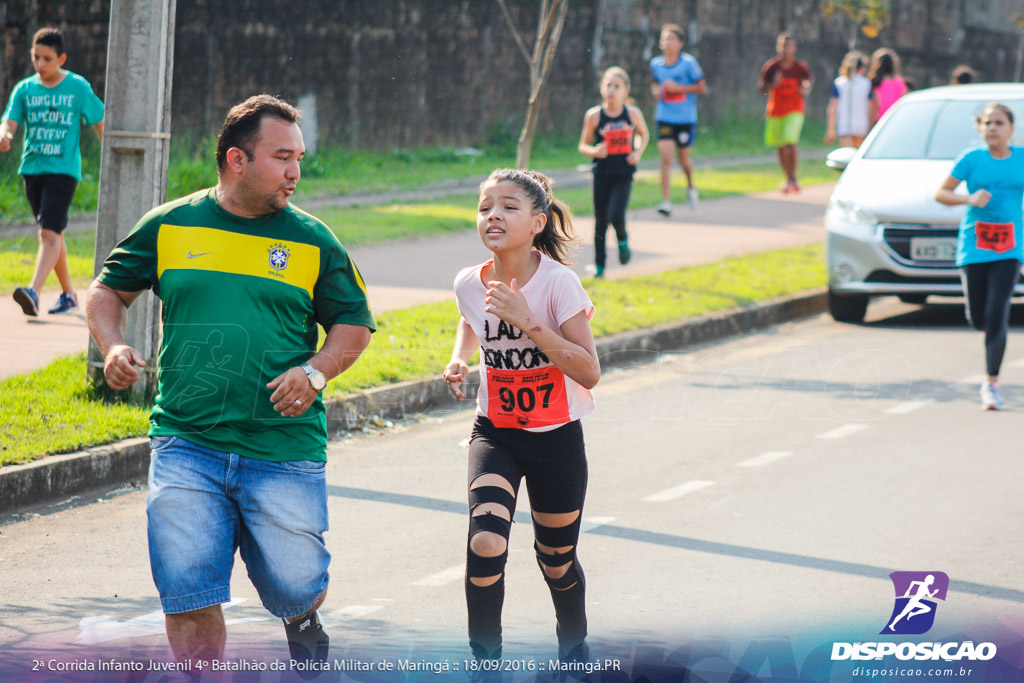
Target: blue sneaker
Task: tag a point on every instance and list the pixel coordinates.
(28, 300)
(66, 303)
(624, 253)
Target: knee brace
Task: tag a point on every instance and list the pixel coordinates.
(476, 565)
(560, 537)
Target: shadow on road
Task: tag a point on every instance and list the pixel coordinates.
(937, 316)
(684, 543)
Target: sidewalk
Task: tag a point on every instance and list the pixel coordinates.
(406, 273)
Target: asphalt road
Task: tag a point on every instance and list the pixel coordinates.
(759, 490)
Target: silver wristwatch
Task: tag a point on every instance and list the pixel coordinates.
(316, 378)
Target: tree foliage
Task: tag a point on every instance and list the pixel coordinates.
(870, 16)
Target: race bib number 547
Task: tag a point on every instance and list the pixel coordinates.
(997, 237)
(526, 398)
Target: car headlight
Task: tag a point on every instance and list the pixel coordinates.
(852, 212)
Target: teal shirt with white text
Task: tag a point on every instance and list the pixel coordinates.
(52, 119)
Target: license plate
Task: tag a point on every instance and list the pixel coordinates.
(933, 248)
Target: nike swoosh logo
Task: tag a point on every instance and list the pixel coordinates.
(191, 255)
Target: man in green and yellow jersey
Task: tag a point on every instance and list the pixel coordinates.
(238, 429)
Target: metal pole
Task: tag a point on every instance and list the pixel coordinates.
(133, 161)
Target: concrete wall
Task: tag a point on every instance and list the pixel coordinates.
(405, 73)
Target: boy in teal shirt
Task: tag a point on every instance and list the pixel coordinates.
(53, 106)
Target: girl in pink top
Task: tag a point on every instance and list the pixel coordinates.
(530, 318)
(888, 86)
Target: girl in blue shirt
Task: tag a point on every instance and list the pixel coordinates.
(989, 247)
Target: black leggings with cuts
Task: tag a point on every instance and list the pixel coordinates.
(611, 197)
(554, 464)
(988, 288)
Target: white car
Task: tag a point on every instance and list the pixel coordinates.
(885, 233)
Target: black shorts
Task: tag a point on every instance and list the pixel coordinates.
(554, 463)
(683, 134)
(50, 195)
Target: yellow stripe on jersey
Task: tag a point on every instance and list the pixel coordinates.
(197, 248)
(359, 276)
(351, 263)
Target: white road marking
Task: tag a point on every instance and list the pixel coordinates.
(678, 491)
(764, 458)
(442, 577)
(909, 406)
(591, 523)
(352, 612)
(103, 628)
(843, 431)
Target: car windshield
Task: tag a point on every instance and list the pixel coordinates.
(932, 129)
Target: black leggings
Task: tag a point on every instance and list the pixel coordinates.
(989, 288)
(611, 197)
(554, 464)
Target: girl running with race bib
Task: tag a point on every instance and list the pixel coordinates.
(530, 317)
(989, 251)
(609, 138)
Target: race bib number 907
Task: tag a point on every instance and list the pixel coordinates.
(526, 398)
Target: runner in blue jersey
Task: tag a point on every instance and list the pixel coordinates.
(989, 249)
(678, 80)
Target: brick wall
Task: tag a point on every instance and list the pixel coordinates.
(404, 73)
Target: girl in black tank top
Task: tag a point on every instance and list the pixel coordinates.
(616, 132)
(609, 138)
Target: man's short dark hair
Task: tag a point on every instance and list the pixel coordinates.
(50, 37)
(241, 127)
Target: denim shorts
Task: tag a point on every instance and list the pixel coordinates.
(204, 503)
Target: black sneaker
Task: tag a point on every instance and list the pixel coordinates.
(66, 303)
(28, 300)
(574, 665)
(308, 645)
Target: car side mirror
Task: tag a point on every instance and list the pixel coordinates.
(840, 158)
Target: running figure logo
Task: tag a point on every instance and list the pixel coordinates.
(916, 595)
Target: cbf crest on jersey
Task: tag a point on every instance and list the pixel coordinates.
(279, 256)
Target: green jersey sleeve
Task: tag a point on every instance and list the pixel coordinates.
(132, 265)
(340, 293)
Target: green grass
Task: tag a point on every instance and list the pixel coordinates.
(714, 183)
(338, 171)
(52, 410)
(361, 225)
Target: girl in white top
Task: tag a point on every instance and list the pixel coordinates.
(530, 317)
(848, 106)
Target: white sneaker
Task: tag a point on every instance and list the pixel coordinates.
(693, 198)
(991, 397)
(665, 208)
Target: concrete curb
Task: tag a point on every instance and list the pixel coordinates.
(45, 482)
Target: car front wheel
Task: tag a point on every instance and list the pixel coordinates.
(850, 308)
